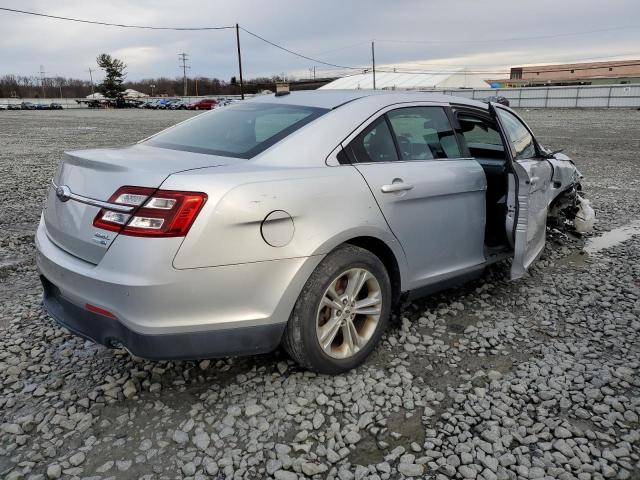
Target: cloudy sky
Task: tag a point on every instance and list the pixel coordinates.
(481, 35)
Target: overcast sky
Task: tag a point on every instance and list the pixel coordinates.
(424, 34)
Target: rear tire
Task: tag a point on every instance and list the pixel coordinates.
(341, 313)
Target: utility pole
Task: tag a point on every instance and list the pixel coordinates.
(42, 78)
(91, 77)
(373, 62)
(183, 58)
(239, 61)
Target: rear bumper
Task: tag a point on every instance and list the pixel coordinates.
(165, 313)
(171, 346)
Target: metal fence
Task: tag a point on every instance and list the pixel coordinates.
(591, 96)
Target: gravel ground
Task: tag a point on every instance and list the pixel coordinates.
(538, 378)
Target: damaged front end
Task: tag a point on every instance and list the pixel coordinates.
(570, 209)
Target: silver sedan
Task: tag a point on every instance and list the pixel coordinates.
(299, 220)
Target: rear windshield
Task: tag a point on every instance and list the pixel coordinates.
(241, 130)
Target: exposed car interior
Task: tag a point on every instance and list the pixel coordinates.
(484, 142)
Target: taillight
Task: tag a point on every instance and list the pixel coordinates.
(156, 213)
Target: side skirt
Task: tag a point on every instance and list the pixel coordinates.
(467, 275)
(458, 279)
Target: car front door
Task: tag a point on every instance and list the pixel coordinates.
(529, 192)
(432, 199)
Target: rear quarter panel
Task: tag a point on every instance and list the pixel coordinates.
(328, 205)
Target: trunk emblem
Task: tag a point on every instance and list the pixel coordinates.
(63, 193)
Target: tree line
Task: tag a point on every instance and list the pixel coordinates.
(24, 86)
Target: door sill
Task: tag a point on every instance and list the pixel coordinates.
(497, 253)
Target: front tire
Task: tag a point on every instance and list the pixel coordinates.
(341, 313)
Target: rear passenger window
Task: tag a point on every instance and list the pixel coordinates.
(423, 133)
(374, 144)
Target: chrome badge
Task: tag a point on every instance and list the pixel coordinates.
(63, 193)
(101, 238)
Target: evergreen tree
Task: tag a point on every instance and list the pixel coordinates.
(112, 85)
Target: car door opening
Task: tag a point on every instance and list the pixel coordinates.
(484, 143)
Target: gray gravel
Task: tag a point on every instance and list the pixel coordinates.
(534, 379)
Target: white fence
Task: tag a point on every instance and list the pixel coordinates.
(592, 96)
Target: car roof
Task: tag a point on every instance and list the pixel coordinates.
(334, 98)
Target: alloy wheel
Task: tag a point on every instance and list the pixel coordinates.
(349, 313)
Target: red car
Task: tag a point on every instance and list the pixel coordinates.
(204, 104)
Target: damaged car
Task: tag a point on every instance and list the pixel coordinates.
(296, 219)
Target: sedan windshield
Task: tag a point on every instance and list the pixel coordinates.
(241, 130)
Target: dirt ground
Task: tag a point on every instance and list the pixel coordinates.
(537, 378)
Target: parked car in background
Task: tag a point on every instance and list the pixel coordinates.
(223, 102)
(204, 104)
(55, 106)
(179, 105)
(151, 104)
(28, 106)
(4, 106)
(14, 106)
(497, 99)
(163, 103)
(299, 220)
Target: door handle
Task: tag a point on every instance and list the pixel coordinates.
(396, 187)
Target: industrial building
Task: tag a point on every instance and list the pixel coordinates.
(594, 73)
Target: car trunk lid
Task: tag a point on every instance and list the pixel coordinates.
(88, 177)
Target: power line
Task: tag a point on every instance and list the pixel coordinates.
(533, 68)
(93, 22)
(297, 54)
(339, 49)
(315, 60)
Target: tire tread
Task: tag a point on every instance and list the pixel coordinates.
(292, 340)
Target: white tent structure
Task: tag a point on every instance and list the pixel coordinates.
(409, 81)
(131, 93)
